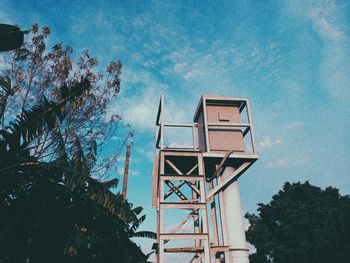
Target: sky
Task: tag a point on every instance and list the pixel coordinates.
(291, 59)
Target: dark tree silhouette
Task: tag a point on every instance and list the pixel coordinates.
(36, 72)
(11, 37)
(302, 223)
(53, 206)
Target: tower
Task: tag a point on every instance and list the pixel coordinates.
(201, 179)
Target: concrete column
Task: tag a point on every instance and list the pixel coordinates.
(234, 221)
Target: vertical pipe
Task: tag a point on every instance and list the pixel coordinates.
(126, 172)
(250, 121)
(193, 136)
(161, 122)
(160, 199)
(214, 220)
(158, 231)
(224, 223)
(195, 216)
(206, 130)
(234, 221)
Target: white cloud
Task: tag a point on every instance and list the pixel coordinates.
(329, 21)
(295, 125)
(325, 18)
(134, 173)
(179, 67)
(139, 99)
(268, 142)
(141, 113)
(136, 57)
(279, 163)
(327, 30)
(139, 108)
(278, 141)
(335, 67)
(6, 14)
(200, 70)
(116, 138)
(286, 162)
(149, 154)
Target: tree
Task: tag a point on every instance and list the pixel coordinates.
(302, 223)
(54, 206)
(35, 73)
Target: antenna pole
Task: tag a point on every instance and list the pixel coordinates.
(126, 172)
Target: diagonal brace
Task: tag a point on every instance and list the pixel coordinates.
(221, 186)
(180, 173)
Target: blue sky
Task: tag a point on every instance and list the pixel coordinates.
(290, 58)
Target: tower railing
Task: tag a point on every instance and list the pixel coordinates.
(246, 127)
(160, 131)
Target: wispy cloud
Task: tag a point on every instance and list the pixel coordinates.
(328, 20)
(325, 18)
(279, 163)
(146, 153)
(268, 142)
(287, 65)
(286, 162)
(295, 125)
(140, 112)
(6, 13)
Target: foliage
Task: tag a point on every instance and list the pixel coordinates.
(302, 223)
(52, 207)
(38, 74)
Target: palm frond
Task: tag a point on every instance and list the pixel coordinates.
(137, 223)
(137, 210)
(91, 155)
(59, 147)
(5, 92)
(34, 122)
(147, 234)
(102, 195)
(73, 92)
(111, 183)
(148, 255)
(77, 153)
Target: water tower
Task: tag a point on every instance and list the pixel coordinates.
(195, 188)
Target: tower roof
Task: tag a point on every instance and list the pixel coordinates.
(216, 98)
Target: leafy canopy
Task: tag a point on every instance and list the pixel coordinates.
(37, 74)
(302, 223)
(54, 204)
